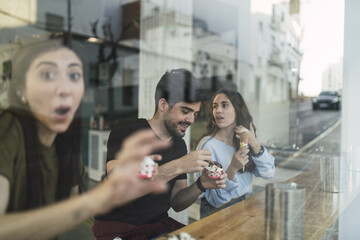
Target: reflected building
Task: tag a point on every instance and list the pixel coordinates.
(165, 44)
(111, 69)
(332, 76)
(273, 72)
(258, 52)
(213, 59)
(95, 29)
(255, 48)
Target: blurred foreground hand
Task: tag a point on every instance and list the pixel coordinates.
(122, 183)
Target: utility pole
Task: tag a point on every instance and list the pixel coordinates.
(69, 18)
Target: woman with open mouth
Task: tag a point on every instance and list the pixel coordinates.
(241, 159)
(40, 163)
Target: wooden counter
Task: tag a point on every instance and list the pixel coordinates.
(246, 219)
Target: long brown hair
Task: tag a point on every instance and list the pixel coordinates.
(67, 144)
(243, 117)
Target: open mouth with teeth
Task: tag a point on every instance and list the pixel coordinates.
(183, 126)
(62, 111)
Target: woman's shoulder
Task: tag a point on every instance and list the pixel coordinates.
(9, 123)
(11, 145)
(205, 141)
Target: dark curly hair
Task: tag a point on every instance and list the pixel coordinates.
(179, 85)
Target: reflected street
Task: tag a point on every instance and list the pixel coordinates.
(312, 133)
(317, 136)
(306, 124)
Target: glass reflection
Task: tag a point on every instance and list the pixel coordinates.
(275, 53)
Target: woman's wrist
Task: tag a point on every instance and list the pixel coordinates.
(231, 171)
(89, 203)
(256, 148)
(262, 149)
(96, 200)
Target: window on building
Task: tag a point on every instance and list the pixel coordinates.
(273, 16)
(257, 88)
(54, 22)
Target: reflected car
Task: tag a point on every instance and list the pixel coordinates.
(327, 100)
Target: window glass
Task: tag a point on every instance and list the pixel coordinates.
(285, 57)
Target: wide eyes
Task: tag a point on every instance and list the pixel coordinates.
(223, 105)
(75, 76)
(51, 75)
(47, 75)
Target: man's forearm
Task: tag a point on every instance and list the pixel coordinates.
(185, 197)
(169, 171)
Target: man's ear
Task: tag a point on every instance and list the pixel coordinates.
(163, 105)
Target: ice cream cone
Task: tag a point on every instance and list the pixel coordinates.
(244, 136)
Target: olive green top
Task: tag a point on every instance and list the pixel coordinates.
(13, 164)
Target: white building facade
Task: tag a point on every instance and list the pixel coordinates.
(332, 76)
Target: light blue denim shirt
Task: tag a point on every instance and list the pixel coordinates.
(242, 183)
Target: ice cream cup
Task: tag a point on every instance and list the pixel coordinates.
(213, 170)
(148, 168)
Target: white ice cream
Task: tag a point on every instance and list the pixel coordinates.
(147, 168)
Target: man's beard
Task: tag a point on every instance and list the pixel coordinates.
(171, 127)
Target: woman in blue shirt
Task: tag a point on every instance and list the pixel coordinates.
(230, 117)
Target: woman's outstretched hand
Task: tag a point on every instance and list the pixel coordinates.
(121, 186)
(122, 183)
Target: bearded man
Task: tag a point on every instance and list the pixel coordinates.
(178, 98)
